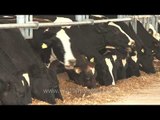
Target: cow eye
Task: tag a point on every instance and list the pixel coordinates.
(77, 70)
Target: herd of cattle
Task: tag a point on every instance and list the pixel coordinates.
(89, 54)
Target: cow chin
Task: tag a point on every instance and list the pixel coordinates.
(158, 57)
(68, 67)
(157, 54)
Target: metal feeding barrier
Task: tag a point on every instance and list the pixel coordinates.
(36, 25)
(26, 23)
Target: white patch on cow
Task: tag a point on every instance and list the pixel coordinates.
(52, 56)
(44, 46)
(142, 50)
(140, 65)
(23, 82)
(152, 51)
(110, 47)
(134, 58)
(93, 70)
(63, 20)
(155, 34)
(77, 70)
(92, 60)
(114, 57)
(124, 61)
(26, 76)
(48, 65)
(46, 30)
(98, 16)
(110, 66)
(130, 39)
(65, 40)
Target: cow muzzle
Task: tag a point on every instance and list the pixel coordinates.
(70, 64)
(133, 44)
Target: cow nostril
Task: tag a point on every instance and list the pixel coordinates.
(72, 62)
(128, 49)
(133, 44)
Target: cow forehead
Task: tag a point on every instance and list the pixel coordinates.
(62, 35)
(63, 20)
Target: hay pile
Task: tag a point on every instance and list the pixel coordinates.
(74, 94)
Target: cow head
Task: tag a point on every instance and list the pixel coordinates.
(15, 91)
(156, 41)
(59, 41)
(133, 65)
(153, 32)
(146, 61)
(42, 84)
(156, 49)
(84, 73)
(151, 40)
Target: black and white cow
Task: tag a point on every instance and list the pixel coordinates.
(84, 74)
(48, 40)
(152, 43)
(90, 39)
(156, 35)
(87, 40)
(139, 60)
(153, 32)
(26, 62)
(116, 61)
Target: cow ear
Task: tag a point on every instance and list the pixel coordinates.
(92, 60)
(150, 31)
(142, 50)
(44, 46)
(77, 70)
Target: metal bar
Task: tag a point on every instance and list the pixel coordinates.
(143, 16)
(36, 25)
(26, 32)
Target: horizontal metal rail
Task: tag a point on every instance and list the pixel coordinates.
(36, 25)
(142, 16)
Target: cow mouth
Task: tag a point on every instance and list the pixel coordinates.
(68, 67)
(129, 49)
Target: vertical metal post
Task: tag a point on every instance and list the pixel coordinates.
(156, 23)
(81, 17)
(134, 24)
(26, 32)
